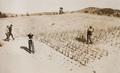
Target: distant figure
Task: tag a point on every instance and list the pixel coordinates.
(61, 10)
(10, 32)
(30, 43)
(90, 31)
(7, 33)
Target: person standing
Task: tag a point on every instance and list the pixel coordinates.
(90, 31)
(61, 10)
(10, 32)
(31, 43)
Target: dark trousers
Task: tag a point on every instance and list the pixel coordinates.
(10, 34)
(31, 46)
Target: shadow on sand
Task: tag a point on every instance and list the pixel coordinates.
(26, 49)
(81, 39)
(6, 40)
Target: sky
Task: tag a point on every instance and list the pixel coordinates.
(31, 6)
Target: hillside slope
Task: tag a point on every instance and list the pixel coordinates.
(102, 11)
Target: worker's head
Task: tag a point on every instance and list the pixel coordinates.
(30, 35)
(11, 25)
(90, 26)
(61, 8)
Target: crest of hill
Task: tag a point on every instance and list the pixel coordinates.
(90, 10)
(101, 11)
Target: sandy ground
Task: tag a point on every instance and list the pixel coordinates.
(46, 60)
(14, 59)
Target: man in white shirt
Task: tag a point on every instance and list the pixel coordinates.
(7, 33)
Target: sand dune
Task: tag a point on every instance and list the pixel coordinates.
(57, 48)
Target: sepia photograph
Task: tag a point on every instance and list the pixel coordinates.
(59, 36)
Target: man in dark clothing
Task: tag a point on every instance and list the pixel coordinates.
(30, 43)
(89, 34)
(10, 32)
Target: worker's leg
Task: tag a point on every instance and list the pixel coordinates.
(91, 39)
(12, 36)
(88, 39)
(29, 45)
(7, 36)
(32, 45)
